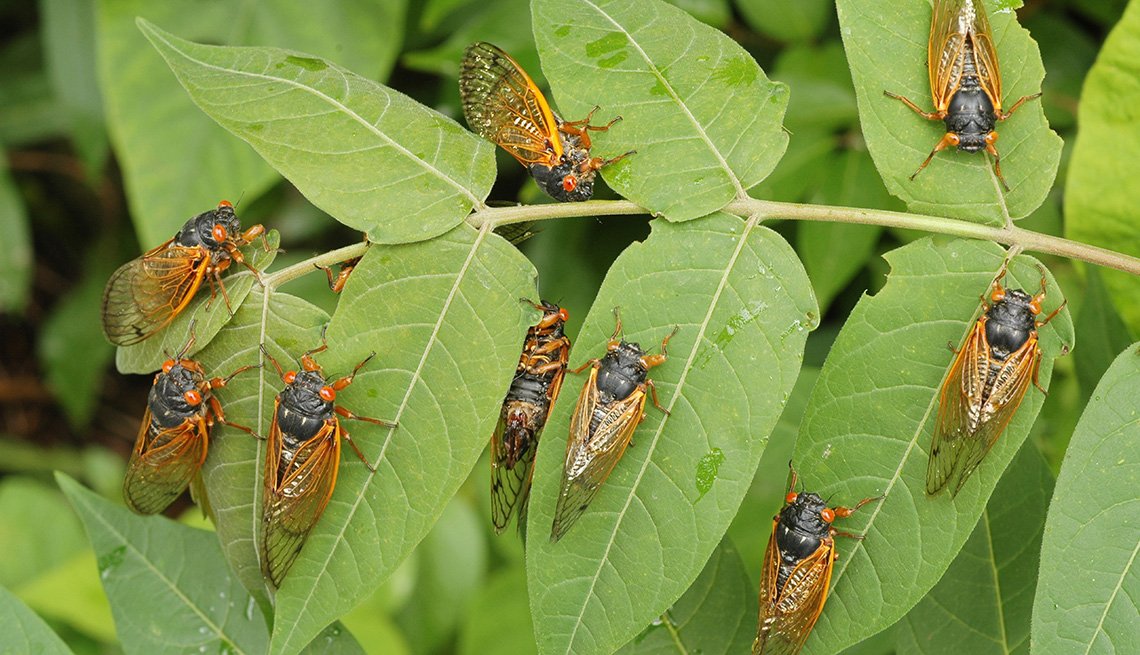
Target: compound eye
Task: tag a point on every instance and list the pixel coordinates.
(998, 295)
(791, 497)
(563, 315)
(167, 365)
(827, 515)
(953, 139)
(219, 233)
(569, 183)
(289, 377)
(328, 394)
(991, 137)
(193, 398)
(1035, 306)
(226, 203)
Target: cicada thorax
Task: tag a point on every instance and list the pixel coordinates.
(796, 571)
(144, 295)
(301, 415)
(970, 113)
(621, 373)
(534, 388)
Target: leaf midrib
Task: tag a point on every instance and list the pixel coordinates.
(742, 240)
(335, 104)
(217, 630)
(741, 193)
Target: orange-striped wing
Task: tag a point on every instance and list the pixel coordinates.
(163, 463)
(977, 402)
(788, 614)
(591, 457)
(298, 485)
(145, 294)
(503, 105)
(985, 55)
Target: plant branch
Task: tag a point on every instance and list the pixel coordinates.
(329, 258)
(1012, 236)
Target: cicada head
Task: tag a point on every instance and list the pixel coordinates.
(566, 182)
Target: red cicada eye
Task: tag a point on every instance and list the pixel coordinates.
(328, 394)
(225, 203)
(1035, 306)
(791, 497)
(828, 515)
(219, 233)
(569, 183)
(289, 377)
(167, 365)
(193, 398)
(563, 315)
(998, 295)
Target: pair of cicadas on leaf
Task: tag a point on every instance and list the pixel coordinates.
(533, 390)
(796, 572)
(144, 295)
(174, 438)
(504, 105)
(990, 375)
(965, 81)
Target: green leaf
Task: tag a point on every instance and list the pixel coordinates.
(445, 320)
(711, 12)
(75, 356)
(983, 603)
(716, 615)
(498, 620)
(670, 77)
(744, 306)
(1103, 333)
(497, 22)
(16, 248)
(1100, 200)
(824, 97)
(453, 563)
(169, 591)
(869, 423)
(176, 160)
(27, 505)
(787, 21)
(207, 314)
(24, 632)
(68, 33)
(834, 253)
(373, 158)
(1090, 579)
(886, 47)
(72, 594)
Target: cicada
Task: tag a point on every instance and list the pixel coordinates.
(796, 572)
(146, 294)
(302, 459)
(503, 105)
(610, 407)
(986, 383)
(171, 447)
(538, 378)
(964, 80)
